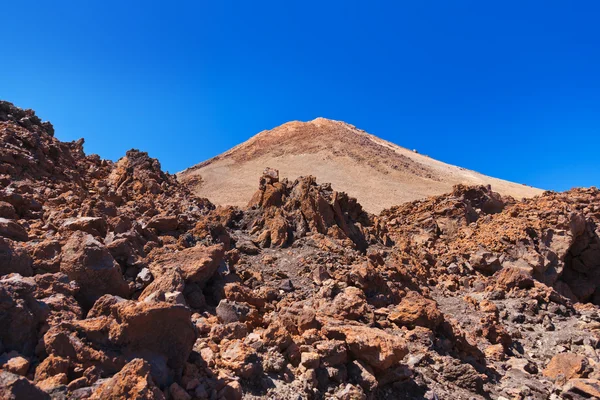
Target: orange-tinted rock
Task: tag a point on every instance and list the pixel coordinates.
(151, 330)
(511, 277)
(582, 389)
(374, 346)
(416, 310)
(568, 365)
(132, 382)
(15, 364)
(50, 366)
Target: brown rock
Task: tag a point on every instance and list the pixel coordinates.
(362, 374)
(310, 360)
(14, 259)
(93, 225)
(132, 382)
(197, 264)
(52, 383)
(240, 358)
(7, 210)
(15, 387)
(21, 314)
(350, 304)
(163, 223)
(159, 332)
(178, 393)
(568, 365)
(416, 310)
(579, 389)
(90, 264)
(16, 364)
(232, 391)
(512, 277)
(52, 365)
(12, 230)
(495, 352)
(169, 282)
(374, 346)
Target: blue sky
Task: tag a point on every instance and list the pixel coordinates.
(510, 89)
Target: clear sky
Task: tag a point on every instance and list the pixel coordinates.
(507, 88)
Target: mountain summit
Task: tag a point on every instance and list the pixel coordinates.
(378, 173)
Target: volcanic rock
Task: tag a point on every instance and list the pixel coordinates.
(132, 382)
(15, 387)
(90, 264)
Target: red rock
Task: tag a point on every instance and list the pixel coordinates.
(50, 366)
(416, 310)
(89, 263)
(132, 382)
(151, 330)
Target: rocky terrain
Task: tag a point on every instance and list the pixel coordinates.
(117, 282)
(378, 173)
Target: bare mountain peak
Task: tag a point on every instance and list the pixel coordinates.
(378, 173)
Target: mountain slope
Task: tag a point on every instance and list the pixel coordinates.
(378, 173)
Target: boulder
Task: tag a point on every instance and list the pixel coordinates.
(12, 230)
(95, 226)
(118, 329)
(196, 264)
(567, 365)
(15, 387)
(416, 310)
(374, 346)
(132, 382)
(21, 314)
(14, 259)
(86, 261)
(513, 278)
(580, 389)
(7, 210)
(163, 223)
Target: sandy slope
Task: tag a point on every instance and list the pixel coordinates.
(378, 173)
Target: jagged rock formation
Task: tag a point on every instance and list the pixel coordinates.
(378, 173)
(117, 282)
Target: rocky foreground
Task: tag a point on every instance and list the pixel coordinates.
(117, 282)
